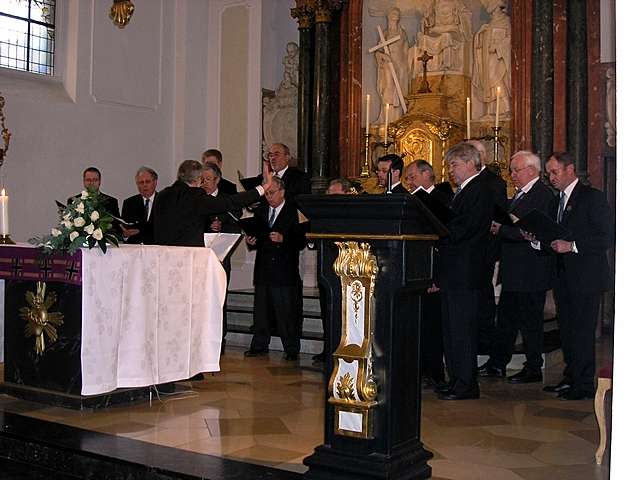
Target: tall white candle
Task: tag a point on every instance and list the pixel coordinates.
(367, 116)
(468, 118)
(4, 213)
(386, 122)
(498, 107)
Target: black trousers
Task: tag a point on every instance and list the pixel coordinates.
(282, 307)
(431, 343)
(460, 333)
(226, 265)
(522, 311)
(577, 319)
(486, 318)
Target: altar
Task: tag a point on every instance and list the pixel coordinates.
(89, 324)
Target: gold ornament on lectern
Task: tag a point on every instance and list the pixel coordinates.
(39, 320)
(6, 136)
(121, 12)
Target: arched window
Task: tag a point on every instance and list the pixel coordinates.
(27, 35)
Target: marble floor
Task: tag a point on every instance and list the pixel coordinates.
(267, 411)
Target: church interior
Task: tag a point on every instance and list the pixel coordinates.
(122, 84)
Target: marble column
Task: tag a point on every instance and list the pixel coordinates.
(542, 86)
(577, 93)
(303, 13)
(320, 111)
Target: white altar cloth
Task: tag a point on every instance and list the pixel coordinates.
(150, 315)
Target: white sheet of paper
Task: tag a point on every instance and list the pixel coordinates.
(221, 243)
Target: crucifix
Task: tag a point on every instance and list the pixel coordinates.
(424, 86)
(384, 44)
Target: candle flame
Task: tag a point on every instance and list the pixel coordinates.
(2, 193)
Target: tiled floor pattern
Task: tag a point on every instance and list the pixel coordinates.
(265, 410)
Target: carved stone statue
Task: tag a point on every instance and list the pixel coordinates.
(280, 112)
(492, 61)
(397, 57)
(444, 29)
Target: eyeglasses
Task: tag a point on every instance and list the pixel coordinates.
(518, 170)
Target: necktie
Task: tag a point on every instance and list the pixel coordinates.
(146, 209)
(272, 217)
(516, 199)
(455, 194)
(563, 197)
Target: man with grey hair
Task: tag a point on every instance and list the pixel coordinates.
(525, 274)
(419, 173)
(461, 271)
(138, 210)
(182, 209)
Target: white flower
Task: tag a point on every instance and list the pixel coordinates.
(66, 223)
(80, 208)
(94, 216)
(73, 236)
(55, 232)
(78, 222)
(89, 228)
(67, 216)
(97, 234)
(84, 195)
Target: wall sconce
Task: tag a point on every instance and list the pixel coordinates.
(121, 12)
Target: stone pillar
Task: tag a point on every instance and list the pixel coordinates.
(542, 86)
(320, 111)
(577, 94)
(303, 13)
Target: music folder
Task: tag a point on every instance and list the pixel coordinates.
(542, 226)
(501, 216)
(255, 227)
(440, 210)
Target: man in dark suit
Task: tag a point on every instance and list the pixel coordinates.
(582, 273)
(138, 209)
(394, 164)
(276, 277)
(461, 272)
(420, 174)
(92, 178)
(525, 275)
(182, 209)
(214, 157)
(487, 309)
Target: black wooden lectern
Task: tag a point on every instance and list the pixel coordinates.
(375, 261)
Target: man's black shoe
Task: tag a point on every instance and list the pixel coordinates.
(563, 386)
(291, 357)
(444, 388)
(255, 353)
(471, 395)
(488, 370)
(197, 377)
(575, 394)
(526, 375)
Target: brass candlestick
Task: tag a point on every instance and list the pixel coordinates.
(6, 240)
(364, 171)
(386, 146)
(496, 142)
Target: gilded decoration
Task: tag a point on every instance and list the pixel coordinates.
(6, 135)
(352, 386)
(121, 12)
(40, 321)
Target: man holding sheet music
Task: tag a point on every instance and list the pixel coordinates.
(137, 210)
(582, 272)
(525, 275)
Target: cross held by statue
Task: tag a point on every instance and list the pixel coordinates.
(424, 86)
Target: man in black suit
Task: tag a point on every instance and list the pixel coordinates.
(582, 272)
(525, 275)
(138, 209)
(420, 174)
(183, 209)
(394, 164)
(461, 272)
(276, 277)
(214, 157)
(92, 178)
(487, 309)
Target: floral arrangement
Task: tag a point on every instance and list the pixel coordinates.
(83, 223)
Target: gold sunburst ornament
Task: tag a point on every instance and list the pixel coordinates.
(40, 320)
(121, 12)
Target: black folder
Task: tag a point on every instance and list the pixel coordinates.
(439, 209)
(542, 226)
(255, 227)
(250, 182)
(501, 216)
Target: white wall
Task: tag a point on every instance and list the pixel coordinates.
(278, 29)
(121, 98)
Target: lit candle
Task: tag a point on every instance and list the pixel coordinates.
(386, 122)
(367, 116)
(4, 213)
(497, 107)
(468, 118)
